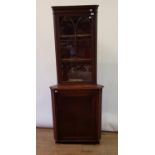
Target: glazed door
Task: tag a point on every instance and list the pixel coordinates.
(76, 114)
(76, 48)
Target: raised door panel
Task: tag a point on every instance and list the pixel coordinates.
(76, 114)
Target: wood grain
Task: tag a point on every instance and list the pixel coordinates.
(45, 145)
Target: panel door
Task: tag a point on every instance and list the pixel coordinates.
(76, 115)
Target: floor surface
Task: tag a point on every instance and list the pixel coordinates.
(45, 145)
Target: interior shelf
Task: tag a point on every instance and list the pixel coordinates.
(75, 60)
(77, 35)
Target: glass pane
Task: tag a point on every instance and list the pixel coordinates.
(76, 72)
(66, 26)
(84, 48)
(80, 48)
(75, 25)
(75, 37)
(68, 48)
(84, 25)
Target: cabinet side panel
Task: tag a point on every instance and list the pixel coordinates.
(98, 112)
(56, 32)
(54, 114)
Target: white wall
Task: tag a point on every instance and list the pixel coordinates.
(107, 59)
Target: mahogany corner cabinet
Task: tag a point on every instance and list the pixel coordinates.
(77, 98)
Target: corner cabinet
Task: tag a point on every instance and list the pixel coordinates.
(76, 99)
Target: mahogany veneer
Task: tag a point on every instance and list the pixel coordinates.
(76, 100)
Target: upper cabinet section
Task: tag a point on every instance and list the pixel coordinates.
(75, 42)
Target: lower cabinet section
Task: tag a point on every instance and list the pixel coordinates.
(76, 114)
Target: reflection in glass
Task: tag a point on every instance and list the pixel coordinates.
(68, 48)
(80, 50)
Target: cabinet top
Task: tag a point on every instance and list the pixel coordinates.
(57, 9)
(74, 7)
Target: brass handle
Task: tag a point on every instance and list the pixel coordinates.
(56, 91)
